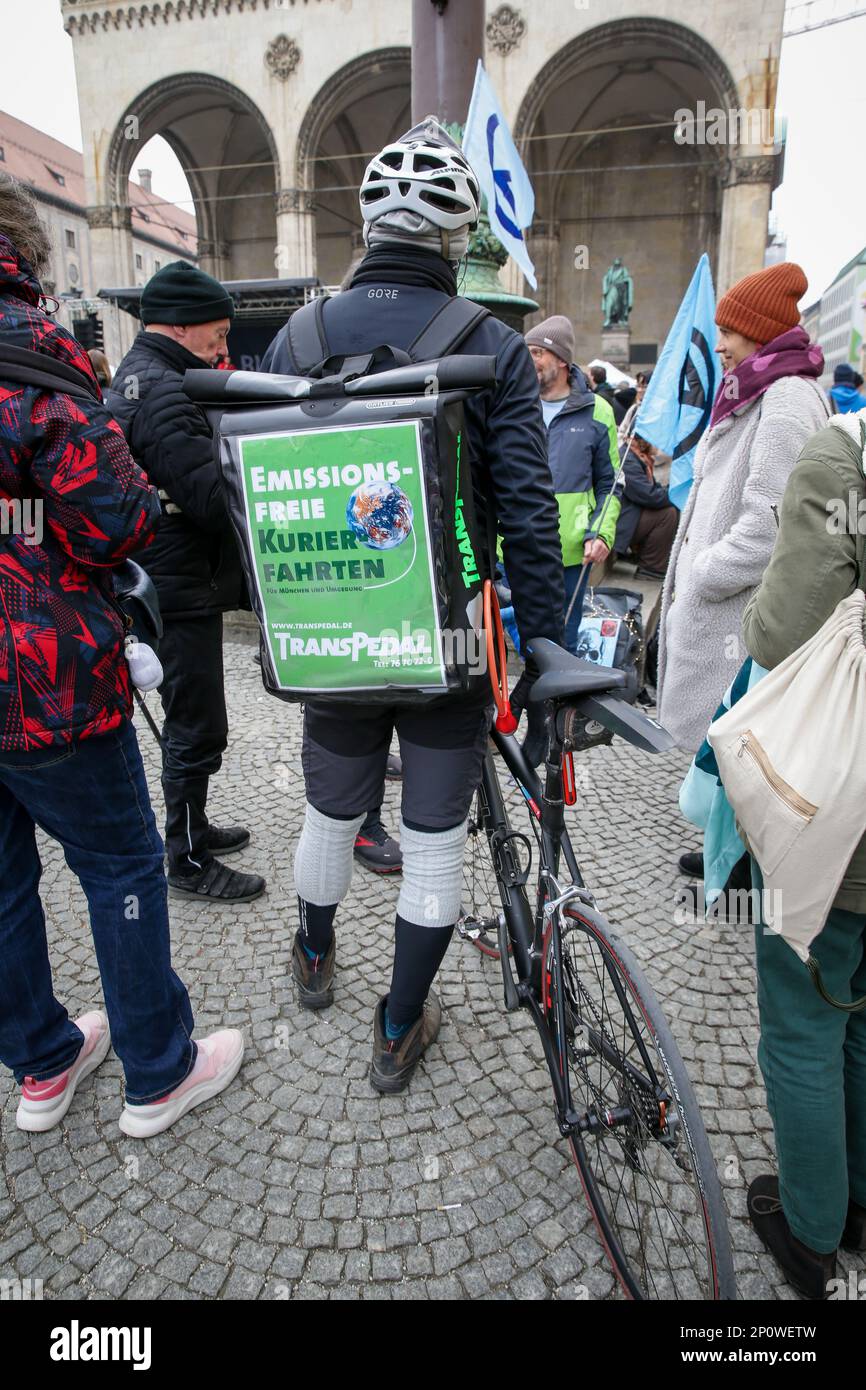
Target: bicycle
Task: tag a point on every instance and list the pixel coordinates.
(622, 1097)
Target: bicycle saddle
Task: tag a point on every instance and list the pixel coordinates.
(564, 675)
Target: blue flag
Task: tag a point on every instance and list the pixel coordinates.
(676, 408)
(489, 148)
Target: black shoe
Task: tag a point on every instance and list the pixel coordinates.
(394, 768)
(314, 978)
(228, 841)
(730, 907)
(378, 850)
(808, 1271)
(217, 884)
(395, 1060)
(854, 1234)
(692, 864)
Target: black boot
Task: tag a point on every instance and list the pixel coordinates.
(314, 977)
(854, 1234)
(808, 1271)
(395, 1060)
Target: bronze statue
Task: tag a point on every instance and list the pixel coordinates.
(617, 295)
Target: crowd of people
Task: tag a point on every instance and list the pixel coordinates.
(561, 471)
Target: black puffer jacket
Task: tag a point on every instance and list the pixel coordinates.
(193, 561)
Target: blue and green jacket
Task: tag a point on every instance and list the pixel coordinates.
(583, 455)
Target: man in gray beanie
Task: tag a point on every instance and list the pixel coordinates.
(193, 563)
(582, 453)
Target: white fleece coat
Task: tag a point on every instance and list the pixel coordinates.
(723, 545)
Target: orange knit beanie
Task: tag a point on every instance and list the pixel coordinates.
(763, 305)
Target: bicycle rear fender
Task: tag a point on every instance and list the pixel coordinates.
(626, 721)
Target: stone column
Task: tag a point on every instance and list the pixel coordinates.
(111, 254)
(214, 257)
(295, 251)
(447, 41)
(748, 182)
(112, 267)
(543, 246)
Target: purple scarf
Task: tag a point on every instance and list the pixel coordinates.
(791, 354)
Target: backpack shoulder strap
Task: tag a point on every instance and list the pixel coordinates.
(306, 340)
(38, 369)
(449, 327)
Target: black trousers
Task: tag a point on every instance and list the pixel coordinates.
(195, 733)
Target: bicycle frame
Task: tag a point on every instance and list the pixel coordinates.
(527, 927)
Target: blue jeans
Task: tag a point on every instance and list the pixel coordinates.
(571, 574)
(92, 797)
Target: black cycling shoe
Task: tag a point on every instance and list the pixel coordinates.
(378, 850)
(808, 1271)
(692, 864)
(314, 978)
(394, 767)
(228, 841)
(217, 884)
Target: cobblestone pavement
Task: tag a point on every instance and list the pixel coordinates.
(300, 1181)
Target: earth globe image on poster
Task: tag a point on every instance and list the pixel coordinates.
(380, 515)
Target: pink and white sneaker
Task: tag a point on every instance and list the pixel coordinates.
(44, 1103)
(218, 1062)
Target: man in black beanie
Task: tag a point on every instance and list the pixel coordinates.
(193, 562)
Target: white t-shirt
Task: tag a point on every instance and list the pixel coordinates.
(550, 409)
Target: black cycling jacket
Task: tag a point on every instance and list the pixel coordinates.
(504, 429)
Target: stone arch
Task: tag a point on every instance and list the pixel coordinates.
(627, 188)
(229, 156)
(356, 110)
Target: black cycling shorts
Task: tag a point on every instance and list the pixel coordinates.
(345, 750)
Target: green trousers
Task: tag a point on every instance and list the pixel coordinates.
(813, 1060)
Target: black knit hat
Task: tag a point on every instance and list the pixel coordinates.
(182, 294)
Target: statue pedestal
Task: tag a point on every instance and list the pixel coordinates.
(616, 346)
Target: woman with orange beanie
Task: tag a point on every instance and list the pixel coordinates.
(767, 405)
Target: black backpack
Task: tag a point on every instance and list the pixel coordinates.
(350, 492)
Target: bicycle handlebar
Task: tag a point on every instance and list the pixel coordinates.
(452, 373)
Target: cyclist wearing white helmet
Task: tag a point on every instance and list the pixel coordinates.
(420, 200)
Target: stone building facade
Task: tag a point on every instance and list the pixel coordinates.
(272, 106)
(159, 232)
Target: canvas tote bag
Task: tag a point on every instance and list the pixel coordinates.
(790, 760)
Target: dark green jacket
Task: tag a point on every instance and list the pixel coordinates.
(819, 559)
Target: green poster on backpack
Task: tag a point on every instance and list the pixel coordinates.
(339, 535)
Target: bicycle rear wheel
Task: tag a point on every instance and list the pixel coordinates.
(642, 1152)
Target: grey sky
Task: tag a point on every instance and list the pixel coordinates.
(820, 207)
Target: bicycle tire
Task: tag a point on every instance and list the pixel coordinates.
(649, 1147)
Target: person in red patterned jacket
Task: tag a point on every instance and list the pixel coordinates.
(73, 505)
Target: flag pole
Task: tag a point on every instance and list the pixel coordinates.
(583, 580)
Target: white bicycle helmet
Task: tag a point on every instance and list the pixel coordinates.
(424, 172)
